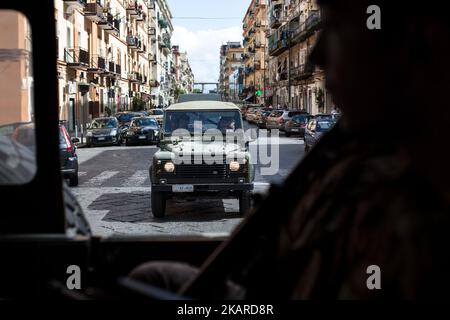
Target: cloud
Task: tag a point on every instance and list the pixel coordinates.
(203, 48)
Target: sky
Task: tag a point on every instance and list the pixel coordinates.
(202, 38)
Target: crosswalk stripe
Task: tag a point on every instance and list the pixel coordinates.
(137, 179)
(101, 178)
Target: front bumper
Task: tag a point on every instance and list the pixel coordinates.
(101, 141)
(149, 138)
(70, 167)
(199, 188)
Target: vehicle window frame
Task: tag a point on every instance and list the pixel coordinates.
(43, 213)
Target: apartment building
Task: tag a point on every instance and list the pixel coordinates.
(231, 59)
(113, 55)
(254, 26)
(294, 26)
(16, 76)
(183, 72)
(161, 30)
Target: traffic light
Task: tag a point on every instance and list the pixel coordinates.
(259, 92)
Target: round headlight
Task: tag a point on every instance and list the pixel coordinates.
(169, 167)
(234, 166)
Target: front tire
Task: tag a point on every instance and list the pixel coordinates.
(245, 203)
(158, 204)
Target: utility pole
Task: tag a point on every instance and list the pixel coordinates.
(289, 63)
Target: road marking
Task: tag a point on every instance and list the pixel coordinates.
(82, 174)
(137, 179)
(101, 178)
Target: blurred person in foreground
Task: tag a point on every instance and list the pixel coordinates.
(379, 194)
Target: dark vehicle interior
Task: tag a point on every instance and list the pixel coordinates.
(40, 238)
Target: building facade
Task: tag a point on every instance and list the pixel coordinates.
(183, 73)
(294, 26)
(254, 26)
(113, 55)
(16, 65)
(231, 59)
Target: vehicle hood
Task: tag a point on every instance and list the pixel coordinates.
(205, 147)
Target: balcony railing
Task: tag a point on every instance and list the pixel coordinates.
(75, 3)
(94, 11)
(300, 32)
(302, 71)
(76, 58)
(97, 65)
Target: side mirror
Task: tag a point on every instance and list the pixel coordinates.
(88, 126)
(75, 140)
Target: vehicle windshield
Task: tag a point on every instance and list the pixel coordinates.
(224, 121)
(146, 122)
(324, 126)
(104, 124)
(157, 112)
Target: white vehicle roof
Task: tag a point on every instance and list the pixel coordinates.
(203, 105)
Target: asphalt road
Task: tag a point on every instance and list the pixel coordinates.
(114, 192)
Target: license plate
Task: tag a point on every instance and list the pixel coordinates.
(101, 138)
(183, 188)
(295, 130)
(142, 137)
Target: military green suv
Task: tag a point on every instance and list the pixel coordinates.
(203, 153)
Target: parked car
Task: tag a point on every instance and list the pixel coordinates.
(24, 135)
(280, 118)
(297, 124)
(142, 130)
(158, 115)
(315, 130)
(275, 120)
(261, 121)
(103, 131)
(124, 119)
(68, 156)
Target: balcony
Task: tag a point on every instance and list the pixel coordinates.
(275, 17)
(133, 8)
(97, 65)
(110, 69)
(75, 4)
(302, 72)
(133, 77)
(278, 42)
(132, 42)
(141, 17)
(94, 11)
(76, 58)
(110, 25)
(307, 28)
(163, 23)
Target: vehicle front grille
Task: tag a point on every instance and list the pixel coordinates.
(217, 171)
